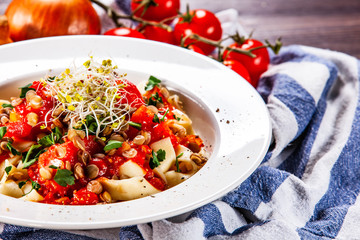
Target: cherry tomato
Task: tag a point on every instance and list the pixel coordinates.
(203, 23)
(196, 49)
(124, 32)
(238, 68)
(158, 34)
(157, 10)
(255, 66)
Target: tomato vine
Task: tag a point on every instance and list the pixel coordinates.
(198, 30)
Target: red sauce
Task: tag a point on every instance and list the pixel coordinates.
(4, 156)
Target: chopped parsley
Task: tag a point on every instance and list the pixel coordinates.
(32, 155)
(12, 149)
(34, 185)
(8, 169)
(5, 105)
(112, 144)
(177, 162)
(156, 118)
(2, 132)
(135, 125)
(157, 157)
(51, 139)
(63, 177)
(163, 118)
(152, 82)
(155, 99)
(25, 89)
(90, 124)
(21, 184)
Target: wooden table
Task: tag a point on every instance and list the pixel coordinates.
(332, 24)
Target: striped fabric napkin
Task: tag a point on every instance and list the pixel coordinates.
(308, 184)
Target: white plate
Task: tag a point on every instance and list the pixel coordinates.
(227, 112)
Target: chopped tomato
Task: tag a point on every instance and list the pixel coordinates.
(18, 130)
(144, 117)
(84, 197)
(58, 154)
(162, 131)
(131, 94)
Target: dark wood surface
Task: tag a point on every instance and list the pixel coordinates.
(330, 24)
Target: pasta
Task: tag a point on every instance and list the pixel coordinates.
(90, 136)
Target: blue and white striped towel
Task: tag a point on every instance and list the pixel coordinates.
(308, 184)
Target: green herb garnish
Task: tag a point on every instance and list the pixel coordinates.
(135, 125)
(163, 118)
(53, 138)
(5, 105)
(2, 132)
(34, 185)
(153, 81)
(21, 184)
(25, 89)
(32, 155)
(64, 177)
(112, 144)
(8, 169)
(155, 99)
(12, 149)
(91, 124)
(157, 157)
(156, 119)
(177, 162)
